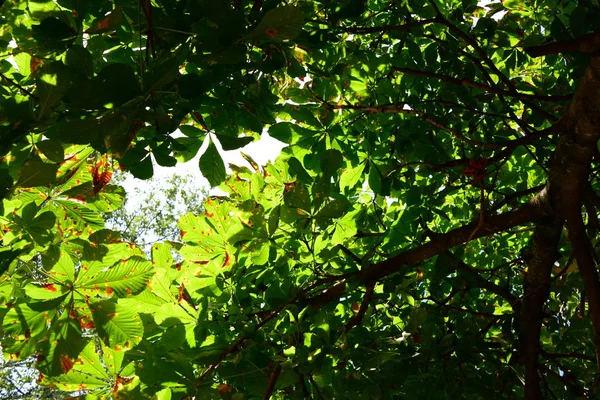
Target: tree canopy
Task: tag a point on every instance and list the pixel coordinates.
(430, 230)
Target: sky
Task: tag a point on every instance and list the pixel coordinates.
(262, 151)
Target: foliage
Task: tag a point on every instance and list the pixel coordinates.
(421, 236)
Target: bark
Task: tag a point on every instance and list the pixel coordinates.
(569, 170)
(584, 44)
(537, 288)
(530, 212)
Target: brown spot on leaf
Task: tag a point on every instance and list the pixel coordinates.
(86, 323)
(227, 261)
(49, 287)
(66, 363)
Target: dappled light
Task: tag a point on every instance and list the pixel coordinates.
(248, 199)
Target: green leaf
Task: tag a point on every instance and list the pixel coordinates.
(87, 373)
(330, 161)
(233, 143)
(52, 149)
(115, 85)
(274, 219)
(212, 165)
(80, 61)
(28, 320)
(109, 23)
(334, 209)
(142, 169)
(118, 326)
(192, 131)
(75, 218)
(351, 176)
(186, 148)
(52, 83)
(53, 33)
(279, 24)
(36, 173)
(45, 291)
(191, 86)
(296, 195)
(128, 277)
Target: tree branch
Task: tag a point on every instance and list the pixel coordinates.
(537, 288)
(390, 28)
(569, 169)
(567, 355)
(487, 285)
(400, 108)
(272, 381)
(364, 306)
(530, 212)
(589, 44)
(481, 86)
(15, 84)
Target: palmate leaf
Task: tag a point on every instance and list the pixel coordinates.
(357, 230)
(75, 218)
(119, 327)
(173, 316)
(52, 83)
(209, 237)
(46, 291)
(87, 373)
(59, 264)
(128, 277)
(279, 24)
(24, 324)
(35, 172)
(212, 165)
(63, 344)
(75, 159)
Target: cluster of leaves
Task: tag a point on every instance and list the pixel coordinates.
(387, 253)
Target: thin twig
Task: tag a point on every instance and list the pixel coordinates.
(481, 86)
(15, 84)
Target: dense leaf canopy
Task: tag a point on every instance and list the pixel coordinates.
(430, 231)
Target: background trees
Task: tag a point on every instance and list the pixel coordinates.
(430, 231)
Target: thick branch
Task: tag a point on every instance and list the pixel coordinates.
(589, 43)
(569, 170)
(567, 355)
(272, 382)
(537, 289)
(481, 86)
(529, 212)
